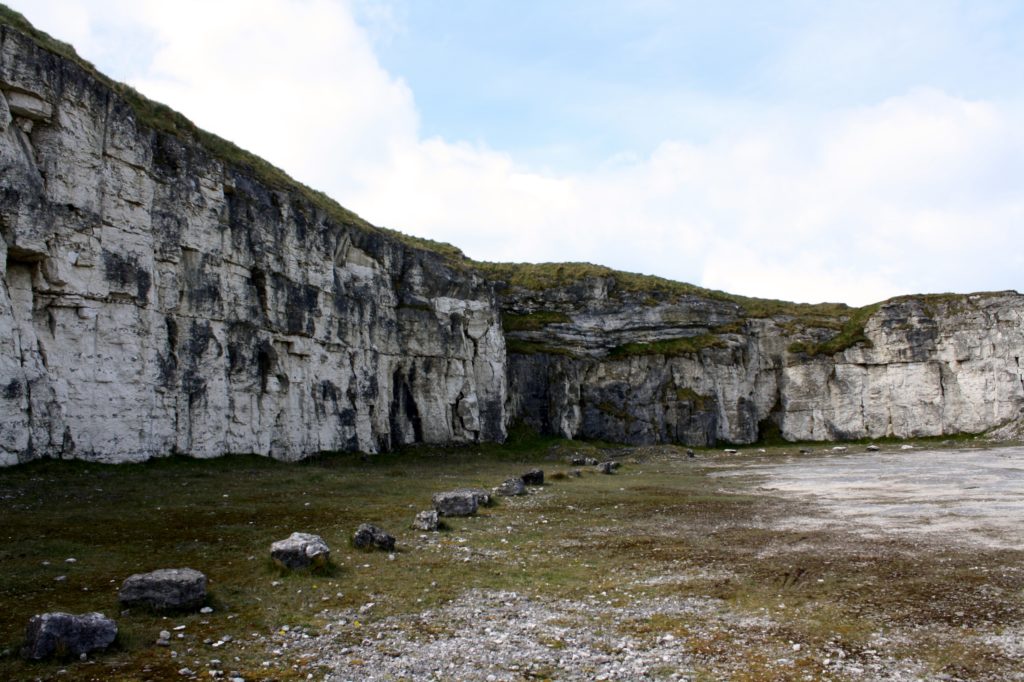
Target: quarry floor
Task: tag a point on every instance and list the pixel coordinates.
(759, 565)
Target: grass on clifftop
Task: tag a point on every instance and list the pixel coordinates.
(530, 276)
(162, 118)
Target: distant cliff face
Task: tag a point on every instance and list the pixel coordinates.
(156, 298)
(589, 361)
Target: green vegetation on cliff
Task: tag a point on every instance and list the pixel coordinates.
(687, 345)
(534, 321)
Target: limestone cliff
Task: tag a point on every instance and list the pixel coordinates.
(156, 299)
(621, 359)
(162, 291)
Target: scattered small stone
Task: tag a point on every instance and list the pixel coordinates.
(60, 578)
(872, 448)
(511, 487)
(185, 672)
(300, 550)
(369, 536)
(206, 609)
(71, 560)
(906, 447)
(578, 460)
(730, 451)
(65, 634)
(805, 451)
(533, 477)
(575, 473)
(164, 639)
(606, 467)
(455, 503)
(840, 448)
(167, 589)
(689, 453)
(426, 520)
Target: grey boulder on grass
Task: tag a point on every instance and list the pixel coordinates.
(426, 521)
(167, 589)
(63, 634)
(369, 536)
(301, 550)
(456, 503)
(533, 477)
(511, 486)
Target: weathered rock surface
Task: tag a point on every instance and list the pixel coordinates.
(511, 487)
(63, 635)
(301, 550)
(368, 536)
(620, 366)
(483, 498)
(533, 477)
(426, 521)
(166, 589)
(155, 299)
(456, 503)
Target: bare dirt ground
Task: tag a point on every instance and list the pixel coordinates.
(961, 497)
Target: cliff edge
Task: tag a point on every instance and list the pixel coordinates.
(162, 291)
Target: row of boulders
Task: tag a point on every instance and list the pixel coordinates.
(171, 590)
(607, 467)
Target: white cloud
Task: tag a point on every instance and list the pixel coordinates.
(918, 192)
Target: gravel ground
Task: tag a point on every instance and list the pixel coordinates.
(492, 636)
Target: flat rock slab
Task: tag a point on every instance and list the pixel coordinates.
(64, 635)
(369, 536)
(456, 503)
(167, 589)
(301, 550)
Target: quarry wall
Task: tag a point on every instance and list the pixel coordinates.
(157, 299)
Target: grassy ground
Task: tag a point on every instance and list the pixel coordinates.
(661, 515)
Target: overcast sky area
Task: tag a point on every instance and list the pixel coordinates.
(840, 151)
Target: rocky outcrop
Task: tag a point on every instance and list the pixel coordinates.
(592, 360)
(163, 292)
(157, 299)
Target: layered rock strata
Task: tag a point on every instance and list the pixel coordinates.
(162, 292)
(155, 299)
(600, 362)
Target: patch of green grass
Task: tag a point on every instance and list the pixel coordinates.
(655, 517)
(850, 334)
(535, 321)
(687, 345)
(530, 347)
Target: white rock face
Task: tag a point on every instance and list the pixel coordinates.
(934, 369)
(934, 366)
(154, 300)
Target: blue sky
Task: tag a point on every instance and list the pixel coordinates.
(595, 79)
(810, 151)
